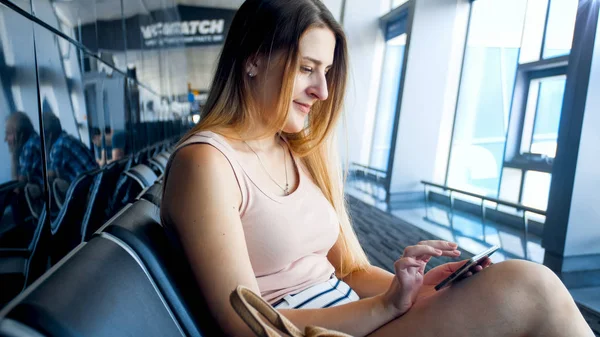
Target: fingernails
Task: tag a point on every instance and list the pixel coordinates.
(452, 244)
(438, 251)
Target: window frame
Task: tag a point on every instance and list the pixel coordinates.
(527, 72)
(404, 12)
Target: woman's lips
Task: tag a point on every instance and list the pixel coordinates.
(305, 108)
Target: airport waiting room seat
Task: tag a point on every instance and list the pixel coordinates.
(101, 289)
(21, 266)
(7, 192)
(101, 207)
(68, 226)
(160, 162)
(140, 228)
(130, 279)
(152, 193)
(132, 182)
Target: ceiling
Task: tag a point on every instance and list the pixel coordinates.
(74, 12)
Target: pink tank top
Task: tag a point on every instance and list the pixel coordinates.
(288, 237)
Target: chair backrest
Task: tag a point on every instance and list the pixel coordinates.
(7, 192)
(132, 182)
(160, 161)
(159, 249)
(101, 289)
(39, 249)
(66, 228)
(101, 208)
(142, 174)
(152, 194)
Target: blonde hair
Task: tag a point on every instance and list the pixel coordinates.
(261, 27)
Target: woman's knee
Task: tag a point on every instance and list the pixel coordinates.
(528, 275)
(528, 280)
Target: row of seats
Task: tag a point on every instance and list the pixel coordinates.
(91, 199)
(130, 279)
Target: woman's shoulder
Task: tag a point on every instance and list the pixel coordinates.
(204, 169)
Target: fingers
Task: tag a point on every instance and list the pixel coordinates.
(439, 244)
(486, 263)
(426, 249)
(421, 250)
(407, 262)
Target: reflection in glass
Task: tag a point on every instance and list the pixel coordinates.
(484, 100)
(387, 102)
(22, 201)
(561, 24)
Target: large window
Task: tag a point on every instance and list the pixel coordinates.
(510, 98)
(483, 108)
(387, 102)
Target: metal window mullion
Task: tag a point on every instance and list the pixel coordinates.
(392, 152)
(545, 30)
(535, 116)
(521, 187)
(460, 78)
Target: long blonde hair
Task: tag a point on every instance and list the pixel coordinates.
(261, 27)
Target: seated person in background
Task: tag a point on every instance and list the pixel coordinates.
(103, 153)
(119, 145)
(24, 145)
(67, 156)
(255, 194)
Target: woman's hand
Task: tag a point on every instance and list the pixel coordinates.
(410, 272)
(441, 272)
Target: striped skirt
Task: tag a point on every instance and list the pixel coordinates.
(323, 295)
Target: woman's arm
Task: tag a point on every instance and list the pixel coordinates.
(371, 282)
(366, 283)
(201, 201)
(357, 318)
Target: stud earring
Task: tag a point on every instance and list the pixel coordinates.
(251, 74)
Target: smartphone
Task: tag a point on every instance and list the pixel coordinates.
(472, 262)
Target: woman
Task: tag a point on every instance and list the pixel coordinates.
(255, 194)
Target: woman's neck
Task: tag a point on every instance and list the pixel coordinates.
(263, 144)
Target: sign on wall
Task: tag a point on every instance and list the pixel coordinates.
(177, 27)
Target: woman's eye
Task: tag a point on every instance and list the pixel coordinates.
(306, 69)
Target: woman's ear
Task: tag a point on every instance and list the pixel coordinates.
(253, 65)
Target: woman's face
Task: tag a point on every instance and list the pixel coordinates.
(316, 50)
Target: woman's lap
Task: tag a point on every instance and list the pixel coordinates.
(498, 301)
(331, 293)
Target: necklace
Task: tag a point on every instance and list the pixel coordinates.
(286, 190)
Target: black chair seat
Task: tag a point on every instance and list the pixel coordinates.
(101, 290)
(152, 194)
(139, 227)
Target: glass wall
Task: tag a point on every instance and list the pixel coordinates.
(387, 102)
(510, 98)
(72, 111)
(485, 96)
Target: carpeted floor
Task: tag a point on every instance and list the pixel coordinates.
(384, 236)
